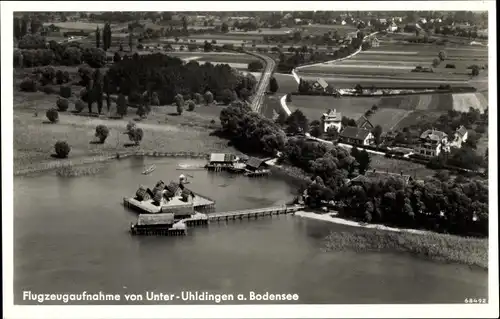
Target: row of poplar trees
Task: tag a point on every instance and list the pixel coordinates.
(106, 37)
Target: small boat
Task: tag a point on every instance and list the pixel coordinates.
(149, 170)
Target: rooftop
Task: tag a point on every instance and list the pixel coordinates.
(461, 131)
(254, 162)
(155, 219)
(433, 135)
(322, 83)
(355, 133)
(221, 157)
(332, 115)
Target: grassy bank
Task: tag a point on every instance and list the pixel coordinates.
(445, 248)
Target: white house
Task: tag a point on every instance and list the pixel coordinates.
(432, 142)
(461, 135)
(393, 27)
(331, 119)
(343, 22)
(375, 42)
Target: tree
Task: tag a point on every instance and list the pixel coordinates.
(315, 128)
(273, 85)
(332, 133)
(97, 37)
(475, 70)
(297, 122)
(442, 55)
(17, 29)
(362, 158)
(209, 97)
(377, 133)
(24, 27)
(62, 149)
(121, 105)
(191, 105)
(116, 57)
(130, 41)
(224, 27)
(435, 62)
(101, 132)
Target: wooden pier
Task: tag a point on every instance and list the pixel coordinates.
(255, 213)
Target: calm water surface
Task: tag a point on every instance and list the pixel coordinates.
(71, 235)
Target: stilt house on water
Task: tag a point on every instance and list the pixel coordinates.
(173, 198)
(220, 161)
(257, 167)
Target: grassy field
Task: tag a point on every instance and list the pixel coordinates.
(388, 118)
(320, 29)
(391, 165)
(34, 137)
(76, 25)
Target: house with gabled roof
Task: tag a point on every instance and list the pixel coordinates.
(331, 118)
(254, 163)
(320, 85)
(460, 137)
(356, 135)
(432, 142)
(363, 122)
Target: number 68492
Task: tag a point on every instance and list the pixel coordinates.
(476, 300)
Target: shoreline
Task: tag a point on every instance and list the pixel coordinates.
(342, 221)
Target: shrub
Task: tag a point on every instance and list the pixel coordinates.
(49, 89)
(140, 46)
(288, 97)
(155, 100)
(209, 97)
(227, 96)
(52, 115)
(79, 106)
(65, 91)
(180, 109)
(135, 134)
(450, 66)
(62, 149)
(101, 132)
(255, 66)
(198, 98)
(59, 77)
(48, 75)
(28, 85)
(72, 56)
(84, 95)
(117, 58)
(62, 104)
(131, 126)
(435, 62)
(190, 105)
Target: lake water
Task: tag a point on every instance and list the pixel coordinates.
(71, 235)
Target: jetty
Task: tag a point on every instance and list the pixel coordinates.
(255, 213)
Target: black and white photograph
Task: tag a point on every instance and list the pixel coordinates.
(284, 158)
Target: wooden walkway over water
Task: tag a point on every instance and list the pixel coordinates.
(255, 213)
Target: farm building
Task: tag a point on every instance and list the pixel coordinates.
(461, 135)
(375, 43)
(375, 175)
(432, 142)
(331, 119)
(356, 135)
(363, 122)
(320, 85)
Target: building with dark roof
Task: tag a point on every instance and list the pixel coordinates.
(254, 163)
(356, 135)
(363, 122)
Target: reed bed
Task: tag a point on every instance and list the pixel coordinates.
(434, 246)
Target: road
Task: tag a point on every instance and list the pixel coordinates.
(263, 83)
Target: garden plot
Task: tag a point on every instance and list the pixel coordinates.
(313, 107)
(464, 101)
